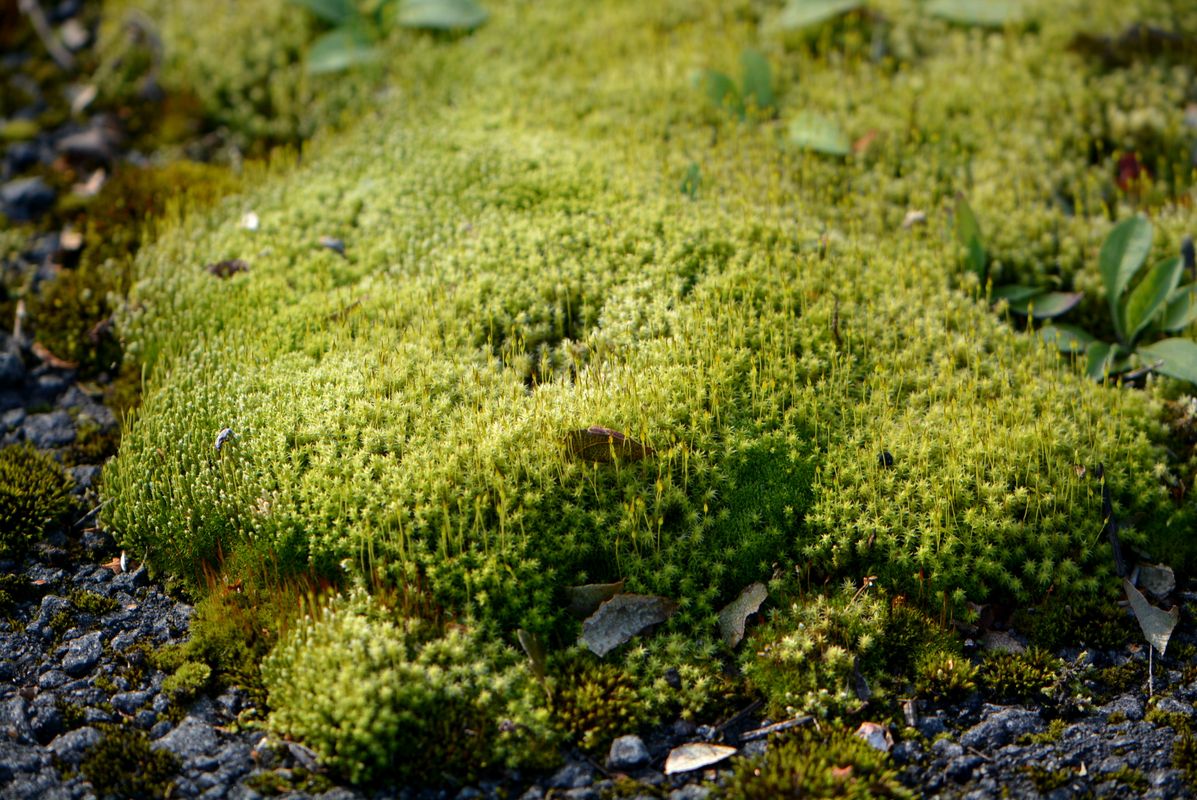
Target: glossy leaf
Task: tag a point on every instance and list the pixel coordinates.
(800, 14)
(983, 13)
(441, 15)
(722, 93)
(1121, 257)
(334, 12)
(603, 445)
(1179, 357)
(1157, 624)
(1149, 298)
(1047, 305)
(811, 131)
(1181, 311)
(758, 80)
(1068, 338)
(1101, 357)
(339, 49)
(968, 233)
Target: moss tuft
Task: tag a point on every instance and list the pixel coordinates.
(188, 681)
(816, 765)
(944, 676)
(92, 603)
(383, 698)
(122, 765)
(593, 702)
(1023, 675)
(35, 494)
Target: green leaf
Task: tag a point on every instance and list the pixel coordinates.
(1047, 305)
(800, 14)
(811, 131)
(968, 233)
(984, 13)
(335, 12)
(1122, 254)
(1179, 357)
(1182, 309)
(721, 91)
(758, 79)
(1015, 293)
(340, 49)
(1148, 298)
(1102, 357)
(1068, 338)
(692, 180)
(441, 15)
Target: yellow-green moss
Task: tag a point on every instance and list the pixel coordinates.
(826, 764)
(122, 765)
(35, 494)
(593, 702)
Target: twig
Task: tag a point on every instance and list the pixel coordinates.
(738, 716)
(41, 27)
(94, 510)
(776, 727)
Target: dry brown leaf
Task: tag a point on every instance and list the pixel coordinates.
(585, 600)
(689, 757)
(621, 618)
(737, 612)
(227, 268)
(43, 352)
(603, 445)
(1156, 623)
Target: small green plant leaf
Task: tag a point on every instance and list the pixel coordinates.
(1179, 357)
(758, 80)
(722, 93)
(736, 613)
(800, 14)
(1121, 257)
(441, 15)
(968, 233)
(339, 49)
(1047, 305)
(811, 131)
(983, 13)
(1156, 623)
(1148, 298)
(334, 12)
(692, 180)
(1182, 309)
(621, 618)
(1015, 293)
(1068, 338)
(1101, 359)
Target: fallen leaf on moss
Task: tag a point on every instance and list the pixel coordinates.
(876, 736)
(735, 613)
(43, 352)
(1156, 623)
(689, 757)
(534, 647)
(227, 268)
(621, 618)
(603, 445)
(585, 600)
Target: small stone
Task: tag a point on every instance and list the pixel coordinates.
(574, 775)
(191, 739)
(907, 752)
(876, 736)
(931, 726)
(74, 35)
(960, 769)
(26, 199)
(45, 431)
(1158, 580)
(72, 746)
(946, 749)
(1128, 706)
(94, 144)
(12, 370)
(691, 791)
(11, 420)
(627, 753)
(585, 793)
(129, 702)
(82, 654)
(1002, 727)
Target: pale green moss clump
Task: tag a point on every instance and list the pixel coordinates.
(34, 494)
(520, 263)
(379, 697)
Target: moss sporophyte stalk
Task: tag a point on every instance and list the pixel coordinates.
(524, 258)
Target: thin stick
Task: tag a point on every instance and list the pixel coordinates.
(41, 27)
